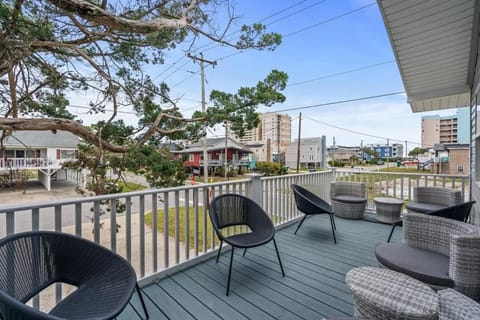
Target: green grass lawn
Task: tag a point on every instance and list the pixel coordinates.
(182, 220)
(191, 217)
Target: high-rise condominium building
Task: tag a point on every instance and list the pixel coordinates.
(445, 129)
(274, 133)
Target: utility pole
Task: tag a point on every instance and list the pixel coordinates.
(298, 143)
(388, 154)
(226, 148)
(204, 139)
(278, 138)
(406, 150)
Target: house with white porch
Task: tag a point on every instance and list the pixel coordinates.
(43, 151)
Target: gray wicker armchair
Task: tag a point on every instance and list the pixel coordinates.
(348, 199)
(426, 199)
(440, 252)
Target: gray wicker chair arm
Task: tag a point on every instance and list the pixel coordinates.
(464, 266)
(427, 232)
(455, 306)
(442, 196)
(347, 188)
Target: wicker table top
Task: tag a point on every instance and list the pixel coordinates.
(385, 200)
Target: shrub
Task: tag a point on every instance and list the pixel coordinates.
(270, 168)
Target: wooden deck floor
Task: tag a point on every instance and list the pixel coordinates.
(313, 288)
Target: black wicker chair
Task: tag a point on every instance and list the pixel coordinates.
(32, 261)
(235, 210)
(459, 212)
(310, 204)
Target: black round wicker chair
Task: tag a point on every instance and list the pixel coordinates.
(235, 210)
(32, 261)
(310, 204)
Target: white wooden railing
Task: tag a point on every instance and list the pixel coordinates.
(400, 185)
(125, 224)
(137, 234)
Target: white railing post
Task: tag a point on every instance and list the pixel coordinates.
(255, 192)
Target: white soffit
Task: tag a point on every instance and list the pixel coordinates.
(432, 43)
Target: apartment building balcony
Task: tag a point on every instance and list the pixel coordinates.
(177, 269)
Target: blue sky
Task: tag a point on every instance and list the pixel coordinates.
(335, 40)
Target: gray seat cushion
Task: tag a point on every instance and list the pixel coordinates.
(424, 207)
(349, 199)
(427, 266)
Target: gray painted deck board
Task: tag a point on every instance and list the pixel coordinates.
(314, 286)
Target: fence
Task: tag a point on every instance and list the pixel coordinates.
(125, 224)
(179, 234)
(400, 185)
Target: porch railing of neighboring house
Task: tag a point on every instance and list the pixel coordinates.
(27, 163)
(400, 185)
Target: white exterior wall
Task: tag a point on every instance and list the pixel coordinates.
(310, 153)
(52, 153)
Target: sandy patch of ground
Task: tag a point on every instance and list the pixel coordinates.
(36, 192)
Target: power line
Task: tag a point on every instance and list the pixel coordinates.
(358, 132)
(298, 31)
(328, 20)
(341, 73)
(343, 101)
(209, 46)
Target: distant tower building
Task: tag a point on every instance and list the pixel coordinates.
(446, 129)
(274, 126)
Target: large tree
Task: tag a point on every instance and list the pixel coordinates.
(416, 152)
(51, 48)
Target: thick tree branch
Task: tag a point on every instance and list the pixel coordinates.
(54, 124)
(98, 15)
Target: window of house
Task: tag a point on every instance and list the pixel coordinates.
(190, 157)
(19, 153)
(67, 154)
(9, 153)
(460, 168)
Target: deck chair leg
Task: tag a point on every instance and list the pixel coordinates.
(332, 217)
(230, 272)
(278, 256)
(219, 250)
(244, 252)
(142, 301)
(391, 232)
(332, 222)
(298, 227)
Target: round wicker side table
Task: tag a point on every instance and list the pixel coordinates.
(388, 209)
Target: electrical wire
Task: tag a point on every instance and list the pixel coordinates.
(332, 75)
(328, 20)
(342, 101)
(209, 46)
(358, 132)
(297, 32)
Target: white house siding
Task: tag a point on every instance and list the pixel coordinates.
(310, 153)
